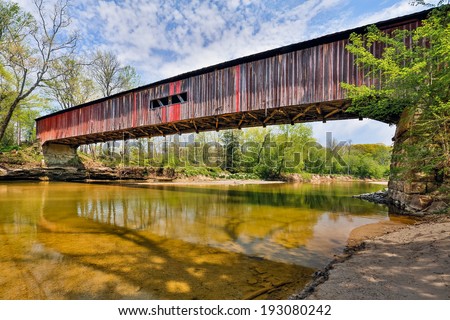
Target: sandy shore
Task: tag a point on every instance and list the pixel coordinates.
(406, 262)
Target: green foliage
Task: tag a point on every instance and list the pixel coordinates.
(264, 153)
(242, 176)
(21, 129)
(396, 70)
(231, 140)
(366, 167)
(269, 153)
(9, 148)
(413, 77)
(20, 155)
(193, 171)
(361, 161)
(381, 105)
(408, 75)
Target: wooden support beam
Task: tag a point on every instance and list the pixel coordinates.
(129, 134)
(165, 127)
(286, 114)
(195, 126)
(256, 118)
(345, 105)
(332, 113)
(303, 113)
(217, 123)
(142, 131)
(319, 111)
(270, 116)
(160, 131)
(175, 127)
(240, 122)
(226, 119)
(184, 125)
(332, 106)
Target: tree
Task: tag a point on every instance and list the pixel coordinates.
(72, 87)
(28, 50)
(110, 76)
(292, 142)
(231, 143)
(414, 80)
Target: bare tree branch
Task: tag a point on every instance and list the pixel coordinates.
(110, 76)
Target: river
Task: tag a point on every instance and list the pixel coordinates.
(99, 241)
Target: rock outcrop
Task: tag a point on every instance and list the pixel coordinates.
(73, 174)
(411, 188)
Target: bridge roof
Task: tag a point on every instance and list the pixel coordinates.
(258, 56)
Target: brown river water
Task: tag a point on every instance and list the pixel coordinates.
(98, 241)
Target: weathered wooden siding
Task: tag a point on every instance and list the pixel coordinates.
(296, 86)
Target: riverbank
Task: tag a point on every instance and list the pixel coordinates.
(150, 176)
(28, 164)
(388, 261)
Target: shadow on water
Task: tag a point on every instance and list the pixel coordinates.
(79, 241)
(130, 264)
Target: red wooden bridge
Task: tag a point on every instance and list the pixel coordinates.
(291, 84)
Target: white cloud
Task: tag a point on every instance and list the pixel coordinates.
(397, 10)
(165, 38)
(366, 131)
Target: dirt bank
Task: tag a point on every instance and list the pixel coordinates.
(406, 262)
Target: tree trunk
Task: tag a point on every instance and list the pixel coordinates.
(7, 119)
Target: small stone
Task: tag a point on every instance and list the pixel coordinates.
(259, 270)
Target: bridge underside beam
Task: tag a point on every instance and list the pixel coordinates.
(238, 120)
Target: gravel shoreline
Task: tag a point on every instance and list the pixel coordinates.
(411, 262)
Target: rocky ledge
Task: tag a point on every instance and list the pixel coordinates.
(413, 205)
(381, 197)
(70, 174)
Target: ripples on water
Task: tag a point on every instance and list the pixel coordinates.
(93, 241)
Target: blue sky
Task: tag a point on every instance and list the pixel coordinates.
(163, 38)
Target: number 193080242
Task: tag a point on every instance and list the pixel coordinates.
(296, 310)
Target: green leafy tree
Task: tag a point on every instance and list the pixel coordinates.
(414, 81)
(231, 143)
(270, 152)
